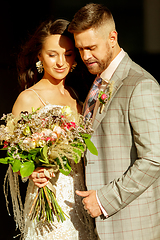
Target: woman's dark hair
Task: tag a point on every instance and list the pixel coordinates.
(26, 64)
(80, 79)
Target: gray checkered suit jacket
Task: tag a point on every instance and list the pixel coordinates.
(127, 169)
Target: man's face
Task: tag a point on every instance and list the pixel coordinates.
(95, 49)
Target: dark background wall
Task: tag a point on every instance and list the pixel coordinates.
(138, 26)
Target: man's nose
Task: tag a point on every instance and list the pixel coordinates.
(86, 55)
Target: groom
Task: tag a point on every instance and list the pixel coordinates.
(123, 180)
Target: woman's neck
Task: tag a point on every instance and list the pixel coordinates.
(54, 84)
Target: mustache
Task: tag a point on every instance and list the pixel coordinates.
(90, 61)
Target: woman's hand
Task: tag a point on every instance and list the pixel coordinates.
(39, 178)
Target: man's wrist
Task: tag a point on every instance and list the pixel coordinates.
(101, 207)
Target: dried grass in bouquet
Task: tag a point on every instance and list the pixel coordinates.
(50, 139)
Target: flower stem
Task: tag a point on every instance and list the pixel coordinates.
(45, 206)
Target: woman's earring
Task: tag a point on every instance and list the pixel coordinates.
(39, 66)
(73, 66)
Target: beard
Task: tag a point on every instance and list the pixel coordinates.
(99, 65)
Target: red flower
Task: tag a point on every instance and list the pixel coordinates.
(5, 144)
(70, 125)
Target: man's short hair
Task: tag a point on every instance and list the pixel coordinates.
(91, 16)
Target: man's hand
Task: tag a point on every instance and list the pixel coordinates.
(90, 202)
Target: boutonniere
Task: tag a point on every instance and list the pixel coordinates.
(104, 97)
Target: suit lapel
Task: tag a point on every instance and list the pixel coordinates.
(118, 77)
(98, 117)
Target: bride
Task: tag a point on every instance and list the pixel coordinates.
(51, 49)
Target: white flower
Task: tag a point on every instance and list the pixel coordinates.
(67, 110)
(47, 132)
(41, 143)
(58, 130)
(28, 143)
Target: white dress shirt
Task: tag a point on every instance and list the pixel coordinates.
(108, 72)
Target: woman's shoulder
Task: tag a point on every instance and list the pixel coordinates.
(27, 96)
(25, 101)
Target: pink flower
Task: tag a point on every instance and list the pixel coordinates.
(104, 96)
(49, 139)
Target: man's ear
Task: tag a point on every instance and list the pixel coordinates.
(113, 38)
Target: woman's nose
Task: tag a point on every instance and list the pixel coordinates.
(60, 61)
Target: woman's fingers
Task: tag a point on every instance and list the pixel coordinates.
(39, 178)
(41, 184)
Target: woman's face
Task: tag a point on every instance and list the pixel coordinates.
(57, 56)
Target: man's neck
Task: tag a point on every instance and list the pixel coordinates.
(108, 72)
(117, 50)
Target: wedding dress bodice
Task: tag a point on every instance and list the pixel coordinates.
(78, 225)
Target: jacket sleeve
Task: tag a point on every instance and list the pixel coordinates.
(144, 116)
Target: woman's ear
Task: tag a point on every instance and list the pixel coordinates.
(113, 38)
(39, 56)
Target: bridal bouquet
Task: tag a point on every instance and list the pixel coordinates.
(50, 139)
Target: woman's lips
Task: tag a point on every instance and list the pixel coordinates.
(60, 70)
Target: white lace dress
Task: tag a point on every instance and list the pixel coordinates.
(79, 225)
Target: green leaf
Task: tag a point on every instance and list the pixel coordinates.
(16, 165)
(33, 110)
(6, 160)
(66, 165)
(42, 160)
(22, 156)
(91, 146)
(79, 153)
(64, 172)
(44, 154)
(30, 156)
(80, 146)
(33, 157)
(45, 150)
(4, 149)
(99, 97)
(26, 169)
(67, 172)
(9, 154)
(85, 135)
(35, 151)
